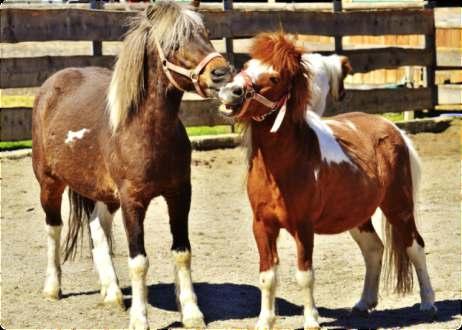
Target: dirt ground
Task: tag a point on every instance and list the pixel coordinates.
(225, 263)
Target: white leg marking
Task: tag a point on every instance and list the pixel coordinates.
(138, 314)
(52, 287)
(305, 280)
(268, 283)
(372, 250)
(417, 255)
(191, 315)
(100, 228)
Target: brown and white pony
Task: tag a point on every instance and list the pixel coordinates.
(328, 74)
(115, 139)
(310, 176)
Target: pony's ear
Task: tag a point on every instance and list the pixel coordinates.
(346, 66)
(195, 3)
(300, 94)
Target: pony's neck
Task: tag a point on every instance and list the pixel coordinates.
(162, 102)
(285, 148)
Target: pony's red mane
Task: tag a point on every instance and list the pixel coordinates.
(277, 50)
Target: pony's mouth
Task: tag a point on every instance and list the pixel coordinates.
(230, 110)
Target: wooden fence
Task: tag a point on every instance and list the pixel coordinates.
(77, 24)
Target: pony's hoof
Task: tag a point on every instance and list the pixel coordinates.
(52, 294)
(312, 325)
(140, 323)
(360, 312)
(265, 323)
(429, 308)
(363, 308)
(114, 297)
(192, 317)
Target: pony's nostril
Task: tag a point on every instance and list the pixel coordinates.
(238, 91)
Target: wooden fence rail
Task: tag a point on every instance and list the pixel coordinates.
(76, 24)
(18, 25)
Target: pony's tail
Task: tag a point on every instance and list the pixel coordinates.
(80, 209)
(398, 265)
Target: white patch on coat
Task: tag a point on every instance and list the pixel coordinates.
(192, 317)
(316, 174)
(331, 151)
(255, 68)
(346, 124)
(78, 135)
(326, 73)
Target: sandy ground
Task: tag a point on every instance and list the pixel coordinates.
(225, 266)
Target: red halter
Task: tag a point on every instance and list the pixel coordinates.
(251, 94)
(191, 74)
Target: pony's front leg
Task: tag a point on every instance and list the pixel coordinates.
(304, 238)
(138, 264)
(178, 210)
(266, 237)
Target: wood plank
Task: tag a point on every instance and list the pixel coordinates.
(241, 24)
(449, 57)
(448, 18)
(16, 123)
(382, 100)
(19, 25)
(365, 60)
(33, 71)
(202, 112)
(449, 94)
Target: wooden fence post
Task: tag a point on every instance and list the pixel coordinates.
(430, 45)
(97, 44)
(338, 39)
(229, 48)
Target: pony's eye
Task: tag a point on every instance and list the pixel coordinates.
(274, 80)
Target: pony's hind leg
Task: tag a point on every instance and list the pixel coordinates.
(372, 250)
(417, 255)
(178, 208)
(407, 246)
(50, 198)
(304, 239)
(100, 230)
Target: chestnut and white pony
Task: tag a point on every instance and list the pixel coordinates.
(312, 176)
(328, 74)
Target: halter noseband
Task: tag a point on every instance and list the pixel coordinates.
(251, 94)
(192, 74)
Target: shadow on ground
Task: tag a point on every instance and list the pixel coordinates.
(226, 301)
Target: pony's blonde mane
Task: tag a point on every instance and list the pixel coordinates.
(173, 25)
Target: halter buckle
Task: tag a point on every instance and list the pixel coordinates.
(249, 93)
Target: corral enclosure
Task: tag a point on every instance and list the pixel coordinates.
(405, 76)
(225, 263)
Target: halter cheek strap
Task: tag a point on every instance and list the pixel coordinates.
(191, 74)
